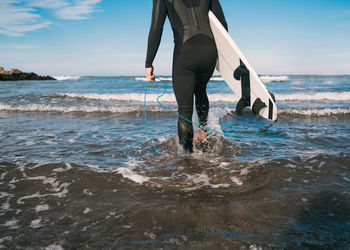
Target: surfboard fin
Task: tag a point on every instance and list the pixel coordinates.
(257, 106)
(242, 73)
(241, 104)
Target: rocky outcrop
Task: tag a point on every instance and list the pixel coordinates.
(17, 75)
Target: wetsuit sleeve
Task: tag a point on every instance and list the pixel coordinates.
(156, 30)
(217, 10)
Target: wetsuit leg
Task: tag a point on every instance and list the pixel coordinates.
(183, 83)
(193, 65)
(201, 97)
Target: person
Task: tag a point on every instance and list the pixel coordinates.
(194, 57)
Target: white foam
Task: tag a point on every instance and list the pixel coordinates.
(11, 224)
(244, 171)
(318, 96)
(4, 239)
(129, 174)
(43, 207)
(213, 98)
(201, 180)
(6, 205)
(96, 168)
(62, 191)
(214, 116)
(144, 79)
(133, 163)
(316, 112)
(151, 98)
(65, 78)
(88, 192)
(289, 165)
(269, 78)
(68, 167)
(236, 181)
(54, 247)
(87, 210)
(255, 247)
(264, 78)
(169, 79)
(150, 235)
(4, 194)
(347, 179)
(128, 226)
(71, 140)
(3, 175)
(36, 223)
(71, 109)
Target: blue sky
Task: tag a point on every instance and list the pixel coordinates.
(109, 37)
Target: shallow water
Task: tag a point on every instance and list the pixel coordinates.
(78, 171)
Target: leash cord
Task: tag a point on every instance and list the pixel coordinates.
(199, 125)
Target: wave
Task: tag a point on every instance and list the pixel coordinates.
(320, 96)
(158, 79)
(73, 109)
(220, 112)
(265, 79)
(213, 98)
(151, 98)
(169, 79)
(127, 97)
(65, 78)
(316, 112)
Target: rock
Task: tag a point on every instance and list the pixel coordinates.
(17, 75)
(15, 71)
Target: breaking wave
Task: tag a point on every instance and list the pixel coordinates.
(169, 79)
(66, 78)
(265, 79)
(319, 96)
(140, 109)
(214, 98)
(316, 112)
(71, 109)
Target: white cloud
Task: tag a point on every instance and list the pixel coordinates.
(20, 16)
(16, 20)
(48, 4)
(78, 10)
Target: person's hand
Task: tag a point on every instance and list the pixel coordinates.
(149, 74)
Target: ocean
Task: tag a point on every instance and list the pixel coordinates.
(78, 170)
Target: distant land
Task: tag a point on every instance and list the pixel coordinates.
(17, 75)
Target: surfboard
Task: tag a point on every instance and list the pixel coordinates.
(240, 75)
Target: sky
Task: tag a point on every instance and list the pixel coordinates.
(109, 37)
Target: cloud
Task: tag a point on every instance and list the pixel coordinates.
(18, 17)
(16, 20)
(79, 10)
(48, 4)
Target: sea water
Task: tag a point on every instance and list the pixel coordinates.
(78, 170)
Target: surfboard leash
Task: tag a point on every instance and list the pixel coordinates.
(197, 124)
(145, 110)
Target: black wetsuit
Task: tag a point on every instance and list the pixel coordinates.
(194, 56)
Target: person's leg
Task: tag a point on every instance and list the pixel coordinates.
(183, 84)
(193, 65)
(201, 100)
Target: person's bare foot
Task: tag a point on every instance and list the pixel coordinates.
(199, 137)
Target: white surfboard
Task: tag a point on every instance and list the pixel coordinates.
(240, 75)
